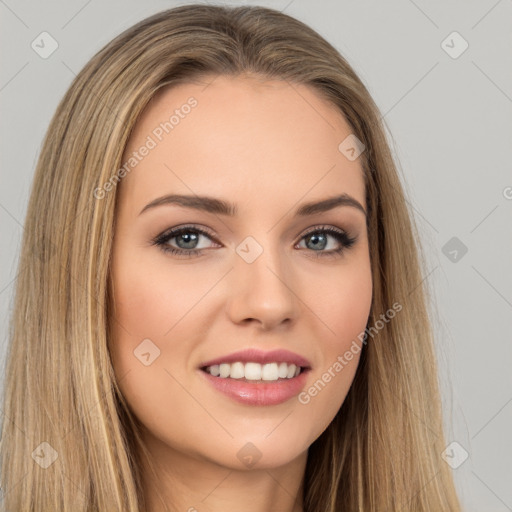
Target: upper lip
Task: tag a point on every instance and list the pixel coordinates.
(259, 356)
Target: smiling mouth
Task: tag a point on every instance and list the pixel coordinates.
(255, 372)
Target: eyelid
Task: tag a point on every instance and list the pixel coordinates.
(322, 227)
(192, 227)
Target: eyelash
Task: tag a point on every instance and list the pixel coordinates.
(346, 241)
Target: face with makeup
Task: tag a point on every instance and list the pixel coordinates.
(218, 248)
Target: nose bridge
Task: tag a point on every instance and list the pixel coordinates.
(262, 283)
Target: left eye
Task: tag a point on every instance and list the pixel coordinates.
(320, 239)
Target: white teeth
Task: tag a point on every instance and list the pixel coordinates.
(237, 371)
(283, 370)
(224, 370)
(269, 371)
(254, 371)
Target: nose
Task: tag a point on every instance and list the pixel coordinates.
(262, 291)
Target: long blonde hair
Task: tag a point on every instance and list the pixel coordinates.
(382, 451)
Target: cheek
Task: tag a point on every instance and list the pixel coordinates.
(152, 296)
(342, 302)
(161, 303)
(151, 318)
(347, 313)
(342, 305)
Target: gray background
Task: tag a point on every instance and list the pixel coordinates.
(451, 125)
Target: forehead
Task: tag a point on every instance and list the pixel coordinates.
(241, 136)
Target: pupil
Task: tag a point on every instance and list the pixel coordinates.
(316, 237)
(192, 238)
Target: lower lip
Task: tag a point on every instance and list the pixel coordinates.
(260, 392)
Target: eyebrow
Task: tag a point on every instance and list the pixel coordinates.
(218, 206)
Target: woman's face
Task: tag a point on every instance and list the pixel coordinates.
(268, 277)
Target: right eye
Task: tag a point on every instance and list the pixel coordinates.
(187, 237)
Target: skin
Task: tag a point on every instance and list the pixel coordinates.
(268, 147)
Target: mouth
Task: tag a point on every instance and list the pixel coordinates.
(256, 384)
(257, 378)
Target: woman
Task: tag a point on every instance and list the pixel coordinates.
(222, 305)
